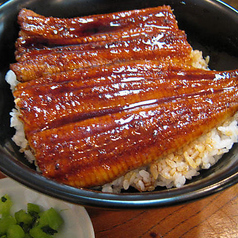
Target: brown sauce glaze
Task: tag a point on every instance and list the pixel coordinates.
(54, 104)
(49, 29)
(104, 94)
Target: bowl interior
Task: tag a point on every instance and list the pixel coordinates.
(206, 24)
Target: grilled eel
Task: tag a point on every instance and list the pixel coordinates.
(133, 35)
(96, 105)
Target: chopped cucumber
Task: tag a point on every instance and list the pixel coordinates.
(37, 232)
(24, 219)
(15, 231)
(33, 208)
(5, 205)
(26, 235)
(50, 218)
(32, 223)
(5, 223)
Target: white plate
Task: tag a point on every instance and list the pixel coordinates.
(76, 219)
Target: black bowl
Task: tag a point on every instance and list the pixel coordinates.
(211, 26)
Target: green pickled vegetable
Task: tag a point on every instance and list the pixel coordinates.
(32, 223)
(50, 218)
(33, 209)
(27, 235)
(15, 231)
(37, 232)
(5, 205)
(5, 223)
(24, 219)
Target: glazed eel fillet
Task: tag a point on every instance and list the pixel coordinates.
(105, 94)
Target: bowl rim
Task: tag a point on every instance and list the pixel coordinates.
(89, 197)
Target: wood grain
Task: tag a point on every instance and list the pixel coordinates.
(2, 175)
(233, 3)
(214, 216)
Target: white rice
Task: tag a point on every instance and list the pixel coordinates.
(170, 171)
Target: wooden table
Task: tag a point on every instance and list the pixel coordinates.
(233, 3)
(212, 217)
